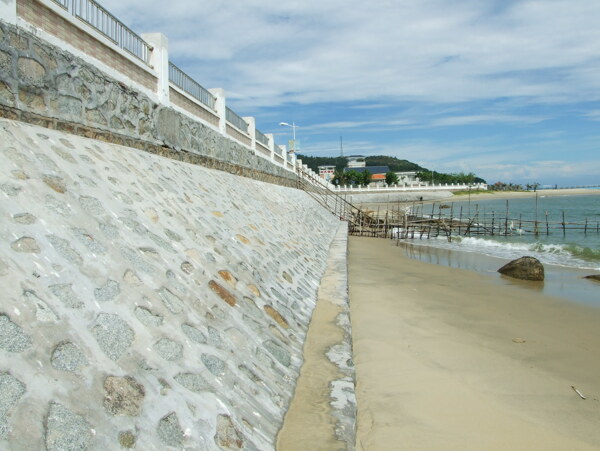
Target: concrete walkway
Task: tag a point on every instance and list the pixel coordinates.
(322, 413)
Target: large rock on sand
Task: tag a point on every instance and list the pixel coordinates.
(525, 268)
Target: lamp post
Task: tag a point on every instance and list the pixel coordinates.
(293, 125)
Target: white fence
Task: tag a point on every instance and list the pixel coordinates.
(415, 187)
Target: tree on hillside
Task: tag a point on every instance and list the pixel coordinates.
(440, 177)
(339, 178)
(395, 164)
(391, 178)
(365, 178)
(357, 178)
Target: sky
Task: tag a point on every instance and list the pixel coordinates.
(507, 89)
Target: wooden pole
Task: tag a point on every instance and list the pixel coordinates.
(536, 214)
(563, 223)
(520, 221)
(451, 216)
(506, 220)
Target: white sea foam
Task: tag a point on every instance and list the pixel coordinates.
(548, 253)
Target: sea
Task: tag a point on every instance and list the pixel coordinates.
(567, 256)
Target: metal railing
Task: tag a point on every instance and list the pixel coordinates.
(236, 120)
(95, 15)
(261, 138)
(183, 81)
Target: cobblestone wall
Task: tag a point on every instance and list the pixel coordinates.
(39, 78)
(146, 302)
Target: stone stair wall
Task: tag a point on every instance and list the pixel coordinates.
(146, 303)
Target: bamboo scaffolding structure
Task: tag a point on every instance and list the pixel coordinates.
(409, 221)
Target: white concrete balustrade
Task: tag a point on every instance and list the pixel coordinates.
(157, 68)
(414, 187)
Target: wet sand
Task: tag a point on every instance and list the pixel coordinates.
(314, 421)
(449, 359)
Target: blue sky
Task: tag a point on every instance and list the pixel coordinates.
(508, 89)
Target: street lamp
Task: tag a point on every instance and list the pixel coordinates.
(293, 125)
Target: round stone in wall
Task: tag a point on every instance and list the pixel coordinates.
(169, 349)
(66, 430)
(193, 334)
(24, 218)
(193, 382)
(127, 439)
(68, 357)
(30, 71)
(227, 436)
(55, 182)
(108, 291)
(113, 334)
(123, 396)
(67, 296)
(281, 355)
(11, 390)
(26, 244)
(12, 336)
(147, 318)
(214, 364)
(169, 431)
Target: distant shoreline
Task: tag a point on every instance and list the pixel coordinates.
(518, 194)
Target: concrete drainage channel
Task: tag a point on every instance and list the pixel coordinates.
(322, 414)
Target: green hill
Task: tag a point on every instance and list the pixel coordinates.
(394, 163)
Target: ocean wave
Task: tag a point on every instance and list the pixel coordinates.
(569, 255)
(585, 253)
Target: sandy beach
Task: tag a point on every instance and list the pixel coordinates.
(518, 194)
(447, 359)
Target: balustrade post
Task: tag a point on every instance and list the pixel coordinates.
(220, 109)
(271, 145)
(282, 152)
(159, 61)
(8, 11)
(251, 131)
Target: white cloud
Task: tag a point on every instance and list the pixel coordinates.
(406, 69)
(593, 115)
(333, 50)
(486, 119)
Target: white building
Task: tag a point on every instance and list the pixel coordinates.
(356, 161)
(408, 177)
(326, 172)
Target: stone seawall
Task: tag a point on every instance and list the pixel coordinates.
(146, 302)
(49, 86)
